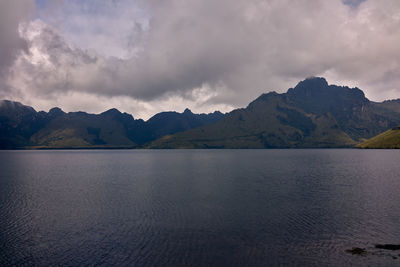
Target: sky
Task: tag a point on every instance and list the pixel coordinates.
(148, 56)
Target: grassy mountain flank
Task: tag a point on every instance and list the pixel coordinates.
(387, 140)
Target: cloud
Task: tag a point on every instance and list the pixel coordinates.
(11, 43)
(353, 3)
(108, 27)
(205, 53)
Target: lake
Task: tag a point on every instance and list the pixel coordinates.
(199, 207)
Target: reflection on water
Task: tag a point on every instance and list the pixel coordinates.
(198, 207)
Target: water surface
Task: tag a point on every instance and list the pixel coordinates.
(198, 207)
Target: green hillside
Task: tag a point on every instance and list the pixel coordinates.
(388, 140)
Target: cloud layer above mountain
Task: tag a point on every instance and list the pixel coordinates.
(146, 56)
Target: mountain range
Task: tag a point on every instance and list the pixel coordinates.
(23, 127)
(313, 114)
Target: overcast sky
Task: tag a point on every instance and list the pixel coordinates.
(147, 56)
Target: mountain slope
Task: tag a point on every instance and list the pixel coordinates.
(171, 122)
(79, 129)
(387, 140)
(17, 123)
(313, 114)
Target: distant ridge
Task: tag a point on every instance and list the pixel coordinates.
(22, 127)
(313, 114)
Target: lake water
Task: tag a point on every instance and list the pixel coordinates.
(199, 207)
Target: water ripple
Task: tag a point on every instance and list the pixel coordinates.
(198, 208)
